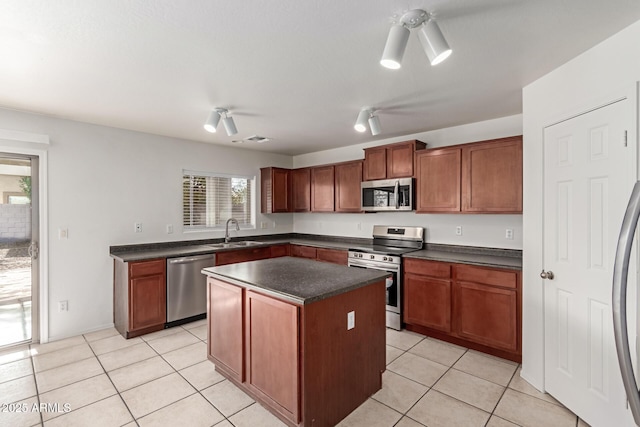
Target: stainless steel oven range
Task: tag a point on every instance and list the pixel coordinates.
(389, 243)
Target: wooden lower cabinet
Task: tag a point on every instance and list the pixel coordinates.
(140, 296)
(487, 315)
(336, 256)
(302, 251)
(427, 302)
(300, 361)
(280, 250)
(242, 255)
(477, 307)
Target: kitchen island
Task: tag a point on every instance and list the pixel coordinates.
(304, 338)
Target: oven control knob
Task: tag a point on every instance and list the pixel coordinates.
(372, 256)
(384, 258)
(390, 259)
(360, 255)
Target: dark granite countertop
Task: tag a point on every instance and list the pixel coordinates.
(489, 257)
(298, 280)
(128, 253)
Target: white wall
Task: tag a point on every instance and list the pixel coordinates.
(478, 230)
(590, 79)
(101, 180)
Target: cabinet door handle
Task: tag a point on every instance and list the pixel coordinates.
(547, 274)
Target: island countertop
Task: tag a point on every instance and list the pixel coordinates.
(298, 280)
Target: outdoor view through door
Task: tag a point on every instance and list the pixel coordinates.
(15, 249)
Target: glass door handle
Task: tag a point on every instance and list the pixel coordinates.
(33, 250)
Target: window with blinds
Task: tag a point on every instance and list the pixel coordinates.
(209, 200)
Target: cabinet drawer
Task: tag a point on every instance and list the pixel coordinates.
(335, 256)
(488, 276)
(146, 268)
(427, 268)
(303, 251)
(231, 257)
(279, 250)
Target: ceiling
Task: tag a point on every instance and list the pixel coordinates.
(295, 71)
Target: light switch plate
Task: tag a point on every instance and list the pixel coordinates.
(351, 320)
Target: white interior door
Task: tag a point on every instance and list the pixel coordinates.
(589, 171)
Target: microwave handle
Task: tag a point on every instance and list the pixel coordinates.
(395, 192)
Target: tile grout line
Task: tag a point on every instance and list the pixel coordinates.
(111, 381)
(35, 381)
(500, 399)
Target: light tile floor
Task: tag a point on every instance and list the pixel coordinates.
(165, 379)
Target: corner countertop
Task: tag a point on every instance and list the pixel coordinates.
(510, 259)
(298, 280)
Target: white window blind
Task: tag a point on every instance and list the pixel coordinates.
(210, 199)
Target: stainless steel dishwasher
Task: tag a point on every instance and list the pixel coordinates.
(187, 288)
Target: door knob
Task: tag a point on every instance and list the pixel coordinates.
(546, 274)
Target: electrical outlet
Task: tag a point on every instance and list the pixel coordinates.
(508, 234)
(263, 225)
(63, 233)
(351, 320)
(359, 226)
(137, 227)
(63, 306)
(459, 230)
(273, 224)
(169, 228)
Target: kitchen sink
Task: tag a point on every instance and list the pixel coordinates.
(241, 244)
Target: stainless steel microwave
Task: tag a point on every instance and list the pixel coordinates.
(387, 195)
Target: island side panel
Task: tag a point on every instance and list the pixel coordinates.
(342, 368)
(225, 312)
(272, 353)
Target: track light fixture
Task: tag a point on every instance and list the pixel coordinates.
(366, 116)
(213, 120)
(431, 38)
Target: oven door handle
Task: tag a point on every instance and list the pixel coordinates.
(373, 266)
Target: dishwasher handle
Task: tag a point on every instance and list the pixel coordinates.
(190, 259)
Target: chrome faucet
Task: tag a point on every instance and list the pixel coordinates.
(226, 229)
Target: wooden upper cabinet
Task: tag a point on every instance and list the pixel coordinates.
(275, 189)
(348, 177)
(301, 190)
(375, 163)
(391, 161)
(438, 180)
(492, 176)
(322, 189)
(481, 177)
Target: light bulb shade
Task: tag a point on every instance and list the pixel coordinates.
(229, 126)
(361, 123)
(433, 42)
(212, 121)
(374, 124)
(394, 49)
